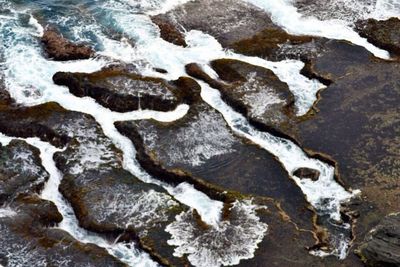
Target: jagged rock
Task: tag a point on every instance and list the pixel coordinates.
(169, 32)
(61, 49)
(201, 149)
(121, 91)
(382, 243)
(384, 34)
(307, 173)
(26, 239)
(227, 20)
(20, 170)
(357, 124)
(254, 91)
(268, 42)
(94, 178)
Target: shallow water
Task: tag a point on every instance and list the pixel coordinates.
(111, 26)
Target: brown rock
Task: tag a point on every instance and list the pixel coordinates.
(384, 34)
(60, 49)
(307, 173)
(169, 32)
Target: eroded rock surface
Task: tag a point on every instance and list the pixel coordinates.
(382, 243)
(384, 34)
(27, 240)
(20, 170)
(61, 49)
(357, 124)
(94, 179)
(121, 91)
(203, 146)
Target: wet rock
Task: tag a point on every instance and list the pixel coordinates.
(20, 170)
(307, 173)
(346, 55)
(227, 20)
(357, 124)
(268, 42)
(100, 191)
(384, 34)
(60, 49)
(202, 150)
(382, 243)
(26, 239)
(254, 91)
(169, 32)
(121, 91)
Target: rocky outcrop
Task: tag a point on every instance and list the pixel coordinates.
(26, 239)
(357, 124)
(60, 49)
(254, 91)
(20, 170)
(169, 32)
(122, 92)
(227, 20)
(201, 149)
(382, 244)
(94, 179)
(382, 33)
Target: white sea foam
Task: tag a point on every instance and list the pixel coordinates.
(284, 14)
(228, 243)
(7, 212)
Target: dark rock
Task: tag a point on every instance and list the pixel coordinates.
(307, 173)
(201, 149)
(94, 179)
(254, 91)
(121, 91)
(384, 34)
(20, 170)
(268, 42)
(357, 124)
(60, 49)
(227, 20)
(169, 32)
(382, 244)
(26, 239)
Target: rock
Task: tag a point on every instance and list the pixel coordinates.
(169, 32)
(357, 124)
(60, 49)
(382, 244)
(122, 92)
(94, 179)
(20, 170)
(202, 150)
(268, 42)
(307, 173)
(382, 33)
(254, 91)
(27, 238)
(227, 20)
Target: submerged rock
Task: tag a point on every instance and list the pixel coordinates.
(20, 170)
(121, 91)
(382, 244)
(382, 33)
(61, 49)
